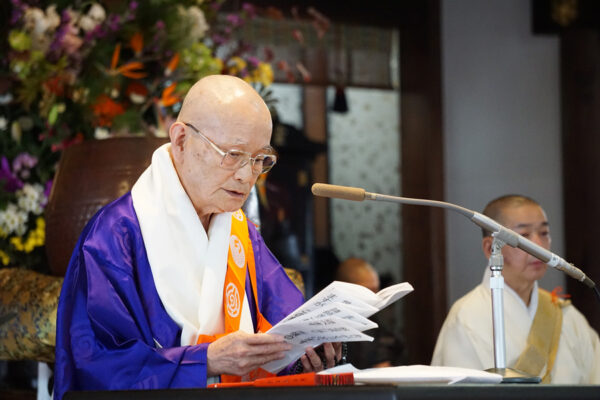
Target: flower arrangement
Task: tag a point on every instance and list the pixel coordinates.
(21, 222)
(76, 70)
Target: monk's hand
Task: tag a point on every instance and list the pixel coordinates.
(321, 358)
(239, 352)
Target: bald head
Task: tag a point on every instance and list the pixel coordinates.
(220, 115)
(358, 271)
(219, 102)
(496, 208)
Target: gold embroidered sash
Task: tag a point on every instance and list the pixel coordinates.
(542, 342)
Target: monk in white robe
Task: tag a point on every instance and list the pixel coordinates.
(466, 338)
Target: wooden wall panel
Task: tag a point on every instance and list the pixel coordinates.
(423, 230)
(580, 91)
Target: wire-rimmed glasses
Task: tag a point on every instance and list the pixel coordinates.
(235, 159)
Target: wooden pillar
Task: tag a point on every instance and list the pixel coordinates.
(423, 228)
(314, 108)
(580, 96)
(315, 123)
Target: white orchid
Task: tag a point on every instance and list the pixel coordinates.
(86, 23)
(101, 133)
(31, 197)
(41, 25)
(199, 24)
(13, 220)
(137, 98)
(95, 16)
(97, 13)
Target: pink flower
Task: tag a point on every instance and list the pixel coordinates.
(71, 41)
(249, 9)
(23, 163)
(253, 61)
(235, 20)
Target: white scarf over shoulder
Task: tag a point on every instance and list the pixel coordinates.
(188, 265)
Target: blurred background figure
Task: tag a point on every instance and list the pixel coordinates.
(386, 349)
(358, 271)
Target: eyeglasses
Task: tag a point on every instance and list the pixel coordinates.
(236, 159)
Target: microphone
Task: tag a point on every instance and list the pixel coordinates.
(508, 236)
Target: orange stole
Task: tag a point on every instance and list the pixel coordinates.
(240, 259)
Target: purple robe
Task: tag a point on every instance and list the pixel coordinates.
(113, 331)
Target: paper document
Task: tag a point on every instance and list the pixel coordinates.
(416, 374)
(338, 313)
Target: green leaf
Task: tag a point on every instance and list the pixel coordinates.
(53, 115)
(19, 40)
(128, 122)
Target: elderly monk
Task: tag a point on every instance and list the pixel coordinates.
(545, 336)
(170, 286)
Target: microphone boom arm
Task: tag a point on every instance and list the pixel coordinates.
(508, 236)
(420, 202)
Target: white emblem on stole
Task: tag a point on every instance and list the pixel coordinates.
(233, 300)
(238, 215)
(237, 251)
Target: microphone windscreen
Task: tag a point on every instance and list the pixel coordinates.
(338, 192)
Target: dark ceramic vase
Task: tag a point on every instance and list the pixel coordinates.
(90, 175)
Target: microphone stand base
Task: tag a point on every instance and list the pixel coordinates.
(511, 375)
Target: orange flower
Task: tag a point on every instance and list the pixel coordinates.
(556, 294)
(137, 43)
(115, 56)
(168, 98)
(172, 64)
(105, 110)
(130, 70)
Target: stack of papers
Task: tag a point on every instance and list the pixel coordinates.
(416, 374)
(338, 313)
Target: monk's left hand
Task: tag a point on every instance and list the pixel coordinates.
(312, 360)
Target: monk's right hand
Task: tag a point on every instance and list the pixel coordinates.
(239, 352)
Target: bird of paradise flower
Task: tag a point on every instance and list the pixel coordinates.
(135, 70)
(132, 69)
